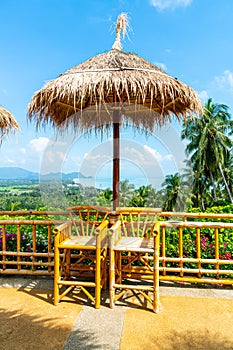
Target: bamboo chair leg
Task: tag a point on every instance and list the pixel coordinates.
(156, 274)
(112, 277)
(56, 275)
(97, 278)
(67, 253)
(118, 265)
(104, 269)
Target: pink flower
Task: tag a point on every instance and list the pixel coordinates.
(228, 256)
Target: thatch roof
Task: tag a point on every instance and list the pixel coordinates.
(85, 94)
(7, 122)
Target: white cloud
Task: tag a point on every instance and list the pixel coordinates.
(225, 81)
(203, 95)
(9, 161)
(153, 151)
(39, 144)
(161, 65)
(158, 156)
(23, 150)
(169, 4)
(169, 157)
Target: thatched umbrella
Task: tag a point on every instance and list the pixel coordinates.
(7, 122)
(112, 88)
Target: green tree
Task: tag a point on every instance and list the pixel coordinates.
(208, 147)
(105, 197)
(140, 196)
(174, 189)
(126, 192)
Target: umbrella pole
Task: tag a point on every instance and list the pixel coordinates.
(116, 158)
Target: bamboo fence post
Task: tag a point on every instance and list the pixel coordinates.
(33, 246)
(18, 247)
(180, 237)
(163, 250)
(216, 250)
(4, 245)
(156, 268)
(49, 247)
(198, 247)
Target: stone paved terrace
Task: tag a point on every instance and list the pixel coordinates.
(190, 318)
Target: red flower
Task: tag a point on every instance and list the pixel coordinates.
(228, 256)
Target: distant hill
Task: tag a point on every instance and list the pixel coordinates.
(15, 173)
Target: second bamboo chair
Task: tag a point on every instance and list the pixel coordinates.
(134, 256)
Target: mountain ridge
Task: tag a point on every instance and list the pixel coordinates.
(17, 173)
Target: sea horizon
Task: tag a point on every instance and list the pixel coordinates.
(104, 183)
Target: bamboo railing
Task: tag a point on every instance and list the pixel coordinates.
(209, 262)
(18, 259)
(175, 264)
(190, 251)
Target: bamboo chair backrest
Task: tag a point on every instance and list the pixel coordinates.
(86, 219)
(137, 222)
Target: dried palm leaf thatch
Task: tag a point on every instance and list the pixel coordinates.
(7, 122)
(146, 94)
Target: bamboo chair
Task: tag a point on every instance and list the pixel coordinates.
(80, 252)
(134, 255)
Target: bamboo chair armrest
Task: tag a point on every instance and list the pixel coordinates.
(62, 232)
(101, 234)
(62, 228)
(103, 225)
(156, 228)
(115, 233)
(116, 226)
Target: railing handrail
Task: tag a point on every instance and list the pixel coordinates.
(142, 209)
(195, 224)
(196, 215)
(31, 222)
(33, 212)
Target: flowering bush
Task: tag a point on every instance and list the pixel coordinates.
(25, 242)
(207, 247)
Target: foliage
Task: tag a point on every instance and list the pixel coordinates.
(175, 193)
(209, 149)
(207, 245)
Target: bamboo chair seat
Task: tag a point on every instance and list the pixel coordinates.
(78, 242)
(80, 252)
(134, 251)
(137, 244)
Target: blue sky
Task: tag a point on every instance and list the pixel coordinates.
(40, 39)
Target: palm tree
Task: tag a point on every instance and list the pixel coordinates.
(126, 192)
(105, 197)
(228, 171)
(209, 144)
(174, 192)
(140, 196)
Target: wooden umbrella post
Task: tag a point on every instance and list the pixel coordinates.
(116, 158)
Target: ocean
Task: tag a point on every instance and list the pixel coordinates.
(103, 183)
